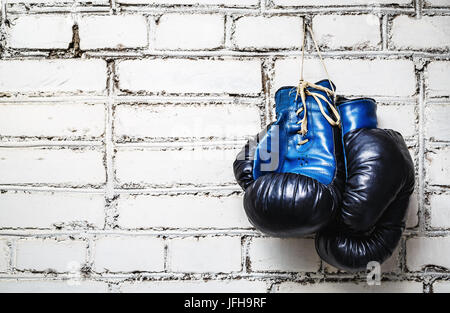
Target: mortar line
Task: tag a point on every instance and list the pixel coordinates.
(421, 153)
(151, 24)
(3, 8)
(109, 143)
(264, 53)
(265, 276)
(113, 6)
(49, 143)
(12, 256)
(384, 32)
(52, 189)
(228, 32)
(172, 232)
(418, 6)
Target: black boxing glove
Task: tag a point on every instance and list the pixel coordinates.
(380, 180)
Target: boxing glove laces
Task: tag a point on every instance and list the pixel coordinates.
(379, 182)
(292, 171)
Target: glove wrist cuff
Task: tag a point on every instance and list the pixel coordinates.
(358, 113)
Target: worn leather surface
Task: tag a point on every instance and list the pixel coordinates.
(314, 158)
(300, 194)
(380, 180)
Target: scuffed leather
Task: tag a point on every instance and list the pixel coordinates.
(380, 180)
(301, 195)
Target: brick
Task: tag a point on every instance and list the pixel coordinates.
(388, 117)
(195, 286)
(441, 287)
(186, 121)
(129, 254)
(437, 3)
(188, 31)
(438, 172)
(347, 31)
(52, 120)
(336, 2)
(50, 255)
(186, 166)
(181, 211)
(49, 32)
(33, 76)
(202, 255)
(438, 73)
(48, 210)
(440, 210)
(290, 255)
(339, 287)
(51, 2)
(190, 76)
(230, 3)
(4, 256)
(422, 251)
(366, 77)
(257, 32)
(437, 117)
(52, 286)
(413, 211)
(51, 166)
(113, 32)
(426, 33)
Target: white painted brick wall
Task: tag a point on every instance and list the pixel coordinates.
(190, 76)
(50, 255)
(273, 254)
(437, 3)
(186, 166)
(231, 3)
(49, 32)
(56, 1)
(33, 76)
(51, 166)
(437, 126)
(210, 286)
(113, 32)
(441, 287)
(186, 121)
(117, 138)
(52, 286)
(49, 120)
(429, 32)
(203, 255)
(129, 254)
(438, 169)
(347, 31)
(438, 75)
(49, 210)
(4, 256)
(181, 211)
(190, 31)
(388, 118)
(257, 32)
(385, 287)
(336, 2)
(440, 211)
(423, 251)
(395, 78)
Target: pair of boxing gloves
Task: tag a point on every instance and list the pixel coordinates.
(324, 167)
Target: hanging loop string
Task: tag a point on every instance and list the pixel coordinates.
(303, 92)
